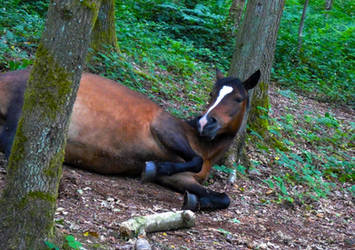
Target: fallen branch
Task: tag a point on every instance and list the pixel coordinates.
(157, 222)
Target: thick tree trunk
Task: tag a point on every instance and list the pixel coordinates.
(255, 46)
(236, 13)
(104, 34)
(300, 29)
(28, 202)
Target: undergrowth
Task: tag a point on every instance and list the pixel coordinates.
(20, 31)
(316, 156)
(324, 68)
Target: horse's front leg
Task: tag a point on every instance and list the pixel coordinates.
(170, 134)
(196, 197)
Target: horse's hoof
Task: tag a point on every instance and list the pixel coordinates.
(190, 202)
(149, 172)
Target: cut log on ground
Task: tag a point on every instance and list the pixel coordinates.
(156, 222)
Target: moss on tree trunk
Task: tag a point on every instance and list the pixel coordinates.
(104, 38)
(28, 202)
(258, 109)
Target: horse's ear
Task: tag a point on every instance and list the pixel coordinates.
(252, 80)
(219, 75)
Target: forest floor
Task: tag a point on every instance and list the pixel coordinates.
(90, 207)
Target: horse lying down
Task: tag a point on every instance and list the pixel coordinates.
(114, 130)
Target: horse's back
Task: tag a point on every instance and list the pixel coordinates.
(109, 130)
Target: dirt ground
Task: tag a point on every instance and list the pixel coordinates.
(90, 207)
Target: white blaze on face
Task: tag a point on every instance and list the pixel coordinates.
(225, 90)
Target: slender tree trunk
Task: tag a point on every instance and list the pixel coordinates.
(328, 7)
(255, 46)
(104, 34)
(300, 29)
(328, 4)
(28, 201)
(236, 13)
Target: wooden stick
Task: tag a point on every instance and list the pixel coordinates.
(157, 222)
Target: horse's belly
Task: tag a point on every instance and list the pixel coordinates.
(97, 160)
(101, 147)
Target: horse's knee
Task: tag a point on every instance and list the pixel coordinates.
(153, 170)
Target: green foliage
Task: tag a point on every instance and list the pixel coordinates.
(51, 245)
(224, 232)
(69, 243)
(324, 68)
(20, 31)
(200, 23)
(311, 171)
(241, 169)
(223, 169)
(72, 243)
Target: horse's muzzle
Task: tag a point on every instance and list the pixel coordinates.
(210, 129)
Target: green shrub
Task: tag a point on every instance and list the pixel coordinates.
(20, 31)
(203, 24)
(324, 68)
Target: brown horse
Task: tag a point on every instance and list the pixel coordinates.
(115, 130)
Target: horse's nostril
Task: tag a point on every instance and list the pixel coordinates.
(213, 120)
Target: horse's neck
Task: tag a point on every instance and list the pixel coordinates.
(211, 150)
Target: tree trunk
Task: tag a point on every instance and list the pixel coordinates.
(328, 7)
(255, 46)
(300, 29)
(328, 4)
(236, 13)
(104, 38)
(28, 201)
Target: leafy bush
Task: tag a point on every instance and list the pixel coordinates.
(20, 32)
(204, 24)
(324, 68)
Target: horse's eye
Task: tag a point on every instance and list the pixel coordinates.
(237, 99)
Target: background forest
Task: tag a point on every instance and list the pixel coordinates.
(168, 50)
(184, 37)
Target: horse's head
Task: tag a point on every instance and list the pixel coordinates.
(226, 109)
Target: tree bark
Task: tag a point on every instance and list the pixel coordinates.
(255, 46)
(236, 13)
(28, 201)
(300, 29)
(328, 4)
(157, 222)
(104, 38)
